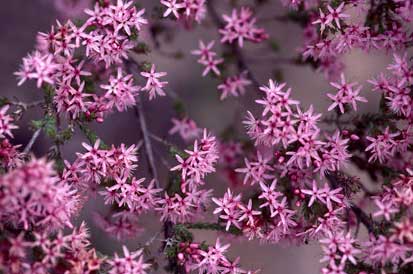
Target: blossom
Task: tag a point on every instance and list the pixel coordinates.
(33, 196)
(187, 128)
(336, 14)
(213, 257)
(131, 262)
(385, 208)
(211, 64)
(240, 26)
(172, 7)
(207, 57)
(228, 207)
(6, 123)
(205, 51)
(176, 208)
(120, 91)
(346, 94)
(199, 162)
(10, 156)
(39, 66)
(153, 85)
(382, 147)
(234, 86)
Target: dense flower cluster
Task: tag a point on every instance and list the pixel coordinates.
(199, 162)
(194, 167)
(210, 260)
(106, 39)
(9, 154)
(337, 34)
(397, 95)
(288, 176)
(38, 195)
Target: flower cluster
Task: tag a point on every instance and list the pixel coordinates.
(234, 86)
(9, 154)
(207, 57)
(114, 168)
(284, 125)
(186, 128)
(346, 94)
(32, 195)
(338, 249)
(188, 9)
(183, 204)
(288, 177)
(198, 162)
(106, 38)
(153, 85)
(98, 163)
(212, 259)
(131, 263)
(6, 123)
(338, 36)
(396, 93)
(240, 26)
(73, 248)
(396, 87)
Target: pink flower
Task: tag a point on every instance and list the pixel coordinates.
(199, 162)
(6, 123)
(240, 26)
(130, 263)
(120, 91)
(205, 51)
(336, 14)
(172, 7)
(382, 147)
(234, 86)
(386, 209)
(207, 57)
(33, 196)
(346, 94)
(187, 128)
(153, 85)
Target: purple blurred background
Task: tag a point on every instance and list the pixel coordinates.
(22, 19)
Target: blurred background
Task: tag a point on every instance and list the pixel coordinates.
(22, 19)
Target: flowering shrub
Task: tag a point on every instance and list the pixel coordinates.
(292, 160)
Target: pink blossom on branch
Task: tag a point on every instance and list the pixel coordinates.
(240, 26)
(153, 84)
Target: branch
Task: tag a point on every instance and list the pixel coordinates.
(148, 145)
(145, 132)
(30, 144)
(212, 226)
(363, 218)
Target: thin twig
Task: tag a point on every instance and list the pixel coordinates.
(160, 140)
(148, 145)
(145, 132)
(32, 140)
(26, 105)
(363, 218)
